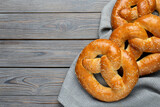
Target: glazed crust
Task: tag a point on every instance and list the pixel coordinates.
(124, 13)
(149, 64)
(113, 58)
(139, 41)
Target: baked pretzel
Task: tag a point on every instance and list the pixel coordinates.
(113, 58)
(123, 12)
(139, 41)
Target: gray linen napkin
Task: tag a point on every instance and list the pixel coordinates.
(146, 93)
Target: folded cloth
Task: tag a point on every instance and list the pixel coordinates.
(146, 93)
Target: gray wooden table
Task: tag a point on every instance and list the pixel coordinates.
(38, 41)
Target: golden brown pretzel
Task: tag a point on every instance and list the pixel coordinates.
(123, 12)
(113, 58)
(139, 41)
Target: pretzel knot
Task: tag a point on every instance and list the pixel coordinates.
(123, 12)
(112, 59)
(139, 41)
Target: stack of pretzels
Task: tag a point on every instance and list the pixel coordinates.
(132, 21)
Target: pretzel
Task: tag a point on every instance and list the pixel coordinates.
(113, 58)
(139, 41)
(123, 12)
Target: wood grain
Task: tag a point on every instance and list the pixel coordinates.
(29, 101)
(29, 105)
(31, 81)
(52, 5)
(49, 26)
(32, 69)
(35, 53)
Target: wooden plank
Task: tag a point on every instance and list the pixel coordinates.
(29, 101)
(44, 53)
(52, 5)
(42, 83)
(49, 26)
(31, 81)
(29, 105)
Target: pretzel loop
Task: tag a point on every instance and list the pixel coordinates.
(113, 58)
(124, 13)
(150, 23)
(105, 68)
(139, 41)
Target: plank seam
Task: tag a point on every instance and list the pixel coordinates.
(47, 39)
(42, 12)
(31, 67)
